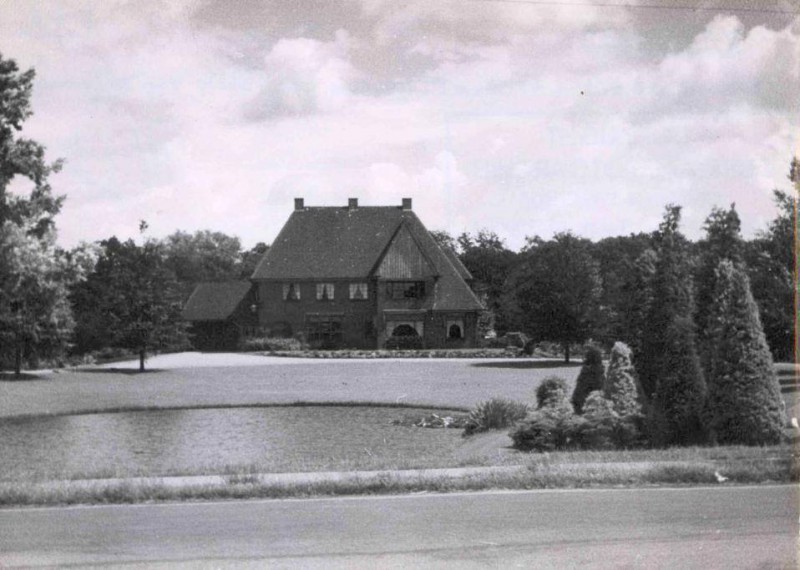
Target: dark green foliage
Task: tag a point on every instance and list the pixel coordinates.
(617, 258)
(723, 241)
(554, 290)
(552, 392)
(546, 429)
(773, 279)
(251, 259)
(35, 274)
(680, 390)
(591, 377)
(130, 300)
(670, 369)
(744, 400)
(489, 261)
(637, 297)
(496, 413)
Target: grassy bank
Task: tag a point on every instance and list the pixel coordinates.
(687, 466)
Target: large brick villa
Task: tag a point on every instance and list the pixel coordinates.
(350, 276)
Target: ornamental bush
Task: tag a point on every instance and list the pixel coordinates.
(552, 392)
(744, 401)
(496, 413)
(553, 425)
(591, 377)
(621, 385)
(600, 422)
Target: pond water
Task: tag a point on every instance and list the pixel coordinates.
(157, 442)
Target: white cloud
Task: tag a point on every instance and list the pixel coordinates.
(305, 76)
(529, 122)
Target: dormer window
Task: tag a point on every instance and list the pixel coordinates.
(399, 290)
(324, 291)
(291, 291)
(359, 292)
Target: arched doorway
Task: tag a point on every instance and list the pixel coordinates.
(404, 330)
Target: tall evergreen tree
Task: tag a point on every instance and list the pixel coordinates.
(744, 399)
(670, 368)
(638, 294)
(773, 275)
(723, 241)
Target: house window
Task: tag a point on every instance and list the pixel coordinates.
(324, 291)
(455, 329)
(358, 291)
(405, 289)
(291, 291)
(324, 329)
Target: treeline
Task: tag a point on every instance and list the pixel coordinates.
(571, 290)
(652, 291)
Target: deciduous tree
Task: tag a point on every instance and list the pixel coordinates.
(555, 289)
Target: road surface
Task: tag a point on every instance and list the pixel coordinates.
(719, 527)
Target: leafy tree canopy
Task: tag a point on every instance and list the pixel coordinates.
(555, 288)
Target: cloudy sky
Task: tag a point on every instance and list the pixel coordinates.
(521, 117)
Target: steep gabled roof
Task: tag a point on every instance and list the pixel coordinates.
(460, 267)
(215, 301)
(349, 243)
(329, 243)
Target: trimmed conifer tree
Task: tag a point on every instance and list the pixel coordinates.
(591, 377)
(621, 385)
(744, 399)
(670, 369)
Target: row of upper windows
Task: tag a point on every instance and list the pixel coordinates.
(396, 290)
(326, 291)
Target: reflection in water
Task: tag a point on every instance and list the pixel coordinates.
(187, 440)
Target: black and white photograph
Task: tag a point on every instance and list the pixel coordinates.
(399, 284)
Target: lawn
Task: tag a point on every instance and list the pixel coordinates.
(446, 383)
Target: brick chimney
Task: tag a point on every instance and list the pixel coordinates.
(352, 203)
(406, 203)
(298, 204)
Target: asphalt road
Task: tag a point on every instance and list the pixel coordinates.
(710, 527)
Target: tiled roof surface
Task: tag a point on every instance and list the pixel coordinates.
(215, 301)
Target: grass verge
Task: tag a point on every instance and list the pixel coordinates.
(691, 466)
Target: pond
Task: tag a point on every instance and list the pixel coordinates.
(294, 438)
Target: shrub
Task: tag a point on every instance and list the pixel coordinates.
(600, 424)
(553, 425)
(744, 402)
(603, 428)
(496, 413)
(404, 343)
(549, 428)
(591, 377)
(621, 385)
(552, 392)
(270, 344)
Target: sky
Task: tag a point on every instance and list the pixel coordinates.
(521, 117)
